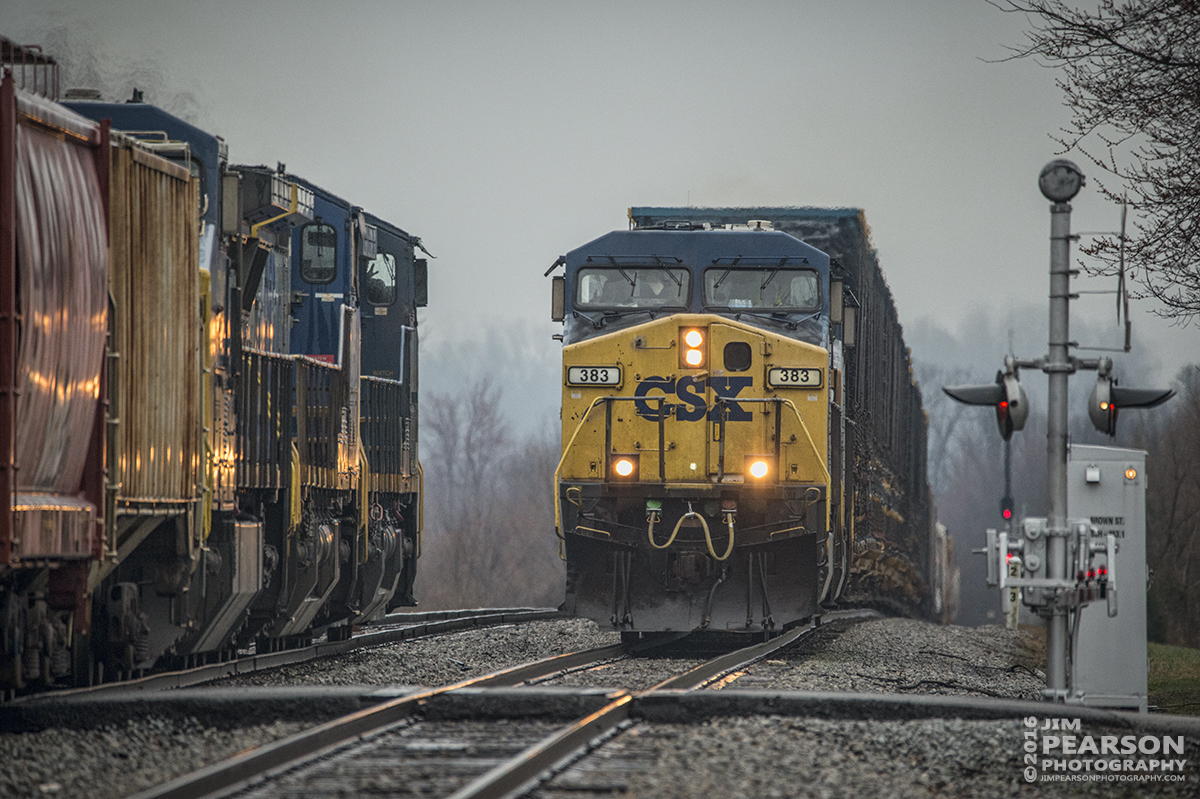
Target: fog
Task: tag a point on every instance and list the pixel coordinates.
(505, 134)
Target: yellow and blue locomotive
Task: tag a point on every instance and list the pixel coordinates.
(713, 469)
(694, 489)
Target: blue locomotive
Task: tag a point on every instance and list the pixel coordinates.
(213, 441)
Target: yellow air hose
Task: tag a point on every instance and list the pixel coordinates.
(708, 539)
(654, 518)
(703, 524)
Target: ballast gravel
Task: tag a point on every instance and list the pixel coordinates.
(901, 656)
(120, 760)
(440, 659)
(774, 756)
(762, 756)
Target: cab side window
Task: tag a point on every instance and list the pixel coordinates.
(379, 279)
(318, 253)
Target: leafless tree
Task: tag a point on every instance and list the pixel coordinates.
(1131, 78)
(1172, 439)
(951, 424)
(490, 538)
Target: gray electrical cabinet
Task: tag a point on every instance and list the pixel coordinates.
(1107, 486)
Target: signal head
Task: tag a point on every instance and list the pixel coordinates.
(1101, 409)
(1006, 507)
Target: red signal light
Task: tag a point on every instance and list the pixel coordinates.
(1008, 513)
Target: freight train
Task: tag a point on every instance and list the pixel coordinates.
(208, 397)
(743, 440)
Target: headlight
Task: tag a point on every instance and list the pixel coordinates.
(760, 468)
(623, 467)
(691, 353)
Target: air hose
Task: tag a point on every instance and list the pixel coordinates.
(653, 518)
(708, 539)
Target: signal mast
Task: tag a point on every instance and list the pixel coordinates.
(1054, 589)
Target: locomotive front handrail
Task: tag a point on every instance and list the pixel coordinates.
(607, 446)
(420, 505)
(778, 401)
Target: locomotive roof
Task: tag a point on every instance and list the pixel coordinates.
(147, 117)
(737, 215)
(696, 248)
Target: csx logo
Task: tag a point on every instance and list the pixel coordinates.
(690, 391)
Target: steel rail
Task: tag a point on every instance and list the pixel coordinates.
(714, 669)
(723, 664)
(255, 764)
(507, 777)
(410, 626)
(564, 745)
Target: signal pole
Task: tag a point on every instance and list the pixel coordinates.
(1059, 181)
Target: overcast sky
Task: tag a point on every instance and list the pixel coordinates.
(506, 133)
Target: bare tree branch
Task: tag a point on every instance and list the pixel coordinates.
(1131, 78)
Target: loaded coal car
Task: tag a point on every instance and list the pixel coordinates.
(743, 443)
(188, 473)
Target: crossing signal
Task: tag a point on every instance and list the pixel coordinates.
(1007, 396)
(1006, 508)
(1108, 399)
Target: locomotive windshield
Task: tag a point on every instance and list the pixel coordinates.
(632, 287)
(762, 289)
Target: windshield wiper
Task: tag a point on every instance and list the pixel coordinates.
(769, 278)
(775, 317)
(721, 279)
(651, 312)
(596, 323)
(618, 314)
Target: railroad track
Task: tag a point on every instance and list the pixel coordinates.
(509, 733)
(393, 628)
(422, 741)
